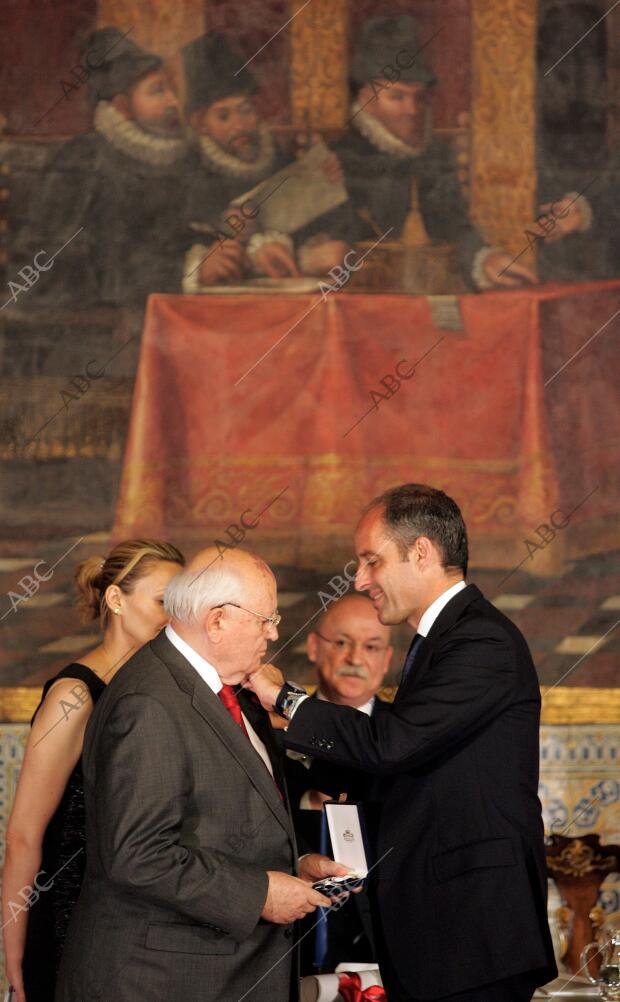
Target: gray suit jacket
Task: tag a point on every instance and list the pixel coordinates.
(182, 822)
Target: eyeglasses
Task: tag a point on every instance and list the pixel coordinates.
(342, 644)
(274, 620)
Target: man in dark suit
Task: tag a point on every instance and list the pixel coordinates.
(400, 176)
(237, 152)
(189, 890)
(460, 865)
(114, 198)
(351, 651)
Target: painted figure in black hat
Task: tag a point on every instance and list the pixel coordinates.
(238, 151)
(116, 195)
(398, 174)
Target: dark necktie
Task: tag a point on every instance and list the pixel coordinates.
(411, 656)
(228, 697)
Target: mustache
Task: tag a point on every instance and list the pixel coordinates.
(170, 116)
(355, 671)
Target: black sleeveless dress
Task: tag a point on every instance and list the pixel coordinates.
(64, 859)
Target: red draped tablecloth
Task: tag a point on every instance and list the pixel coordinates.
(238, 399)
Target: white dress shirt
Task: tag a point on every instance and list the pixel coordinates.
(366, 708)
(428, 618)
(426, 621)
(209, 675)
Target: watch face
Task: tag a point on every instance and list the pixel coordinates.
(288, 697)
(282, 701)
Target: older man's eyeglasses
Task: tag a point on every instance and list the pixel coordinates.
(370, 648)
(274, 620)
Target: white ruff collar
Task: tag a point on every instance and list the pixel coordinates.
(385, 141)
(228, 164)
(132, 140)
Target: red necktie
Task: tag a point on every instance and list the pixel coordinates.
(229, 698)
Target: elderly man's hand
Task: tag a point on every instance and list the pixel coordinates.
(315, 867)
(224, 263)
(275, 261)
(501, 269)
(290, 898)
(567, 216)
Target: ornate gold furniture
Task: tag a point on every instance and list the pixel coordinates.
(579, 867)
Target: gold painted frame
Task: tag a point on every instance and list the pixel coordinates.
(560, 704)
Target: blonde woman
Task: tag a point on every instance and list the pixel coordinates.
(45, 842)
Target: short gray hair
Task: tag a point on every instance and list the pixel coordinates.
(190, 592)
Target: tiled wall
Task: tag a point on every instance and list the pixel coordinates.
(579, 785)
(12, 745)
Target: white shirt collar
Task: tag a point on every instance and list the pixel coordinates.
(206, 670)
(366, 708)
(385, 141)
(430, 615)
(128, 137)
(230, 165)
(209, 675)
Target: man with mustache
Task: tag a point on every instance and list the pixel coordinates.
(114, 198)
(237, 152)
(459, 868)
(351, 650)
(399, 176)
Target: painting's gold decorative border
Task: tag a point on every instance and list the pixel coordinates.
(503, 120)
(318, 67)
(18, 703)
(568, 704)
(560, 704)
(158, 27)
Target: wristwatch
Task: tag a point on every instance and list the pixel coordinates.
(287, 699)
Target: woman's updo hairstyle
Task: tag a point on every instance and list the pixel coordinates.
(123, 566)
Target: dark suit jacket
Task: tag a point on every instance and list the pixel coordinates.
(134, 217)
(381, 183)
(182, 822)
(461, 882)
(318, 775)
(350, 935)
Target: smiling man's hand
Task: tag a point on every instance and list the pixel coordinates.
(266, 683)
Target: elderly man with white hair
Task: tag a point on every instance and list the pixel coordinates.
(190, 889)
